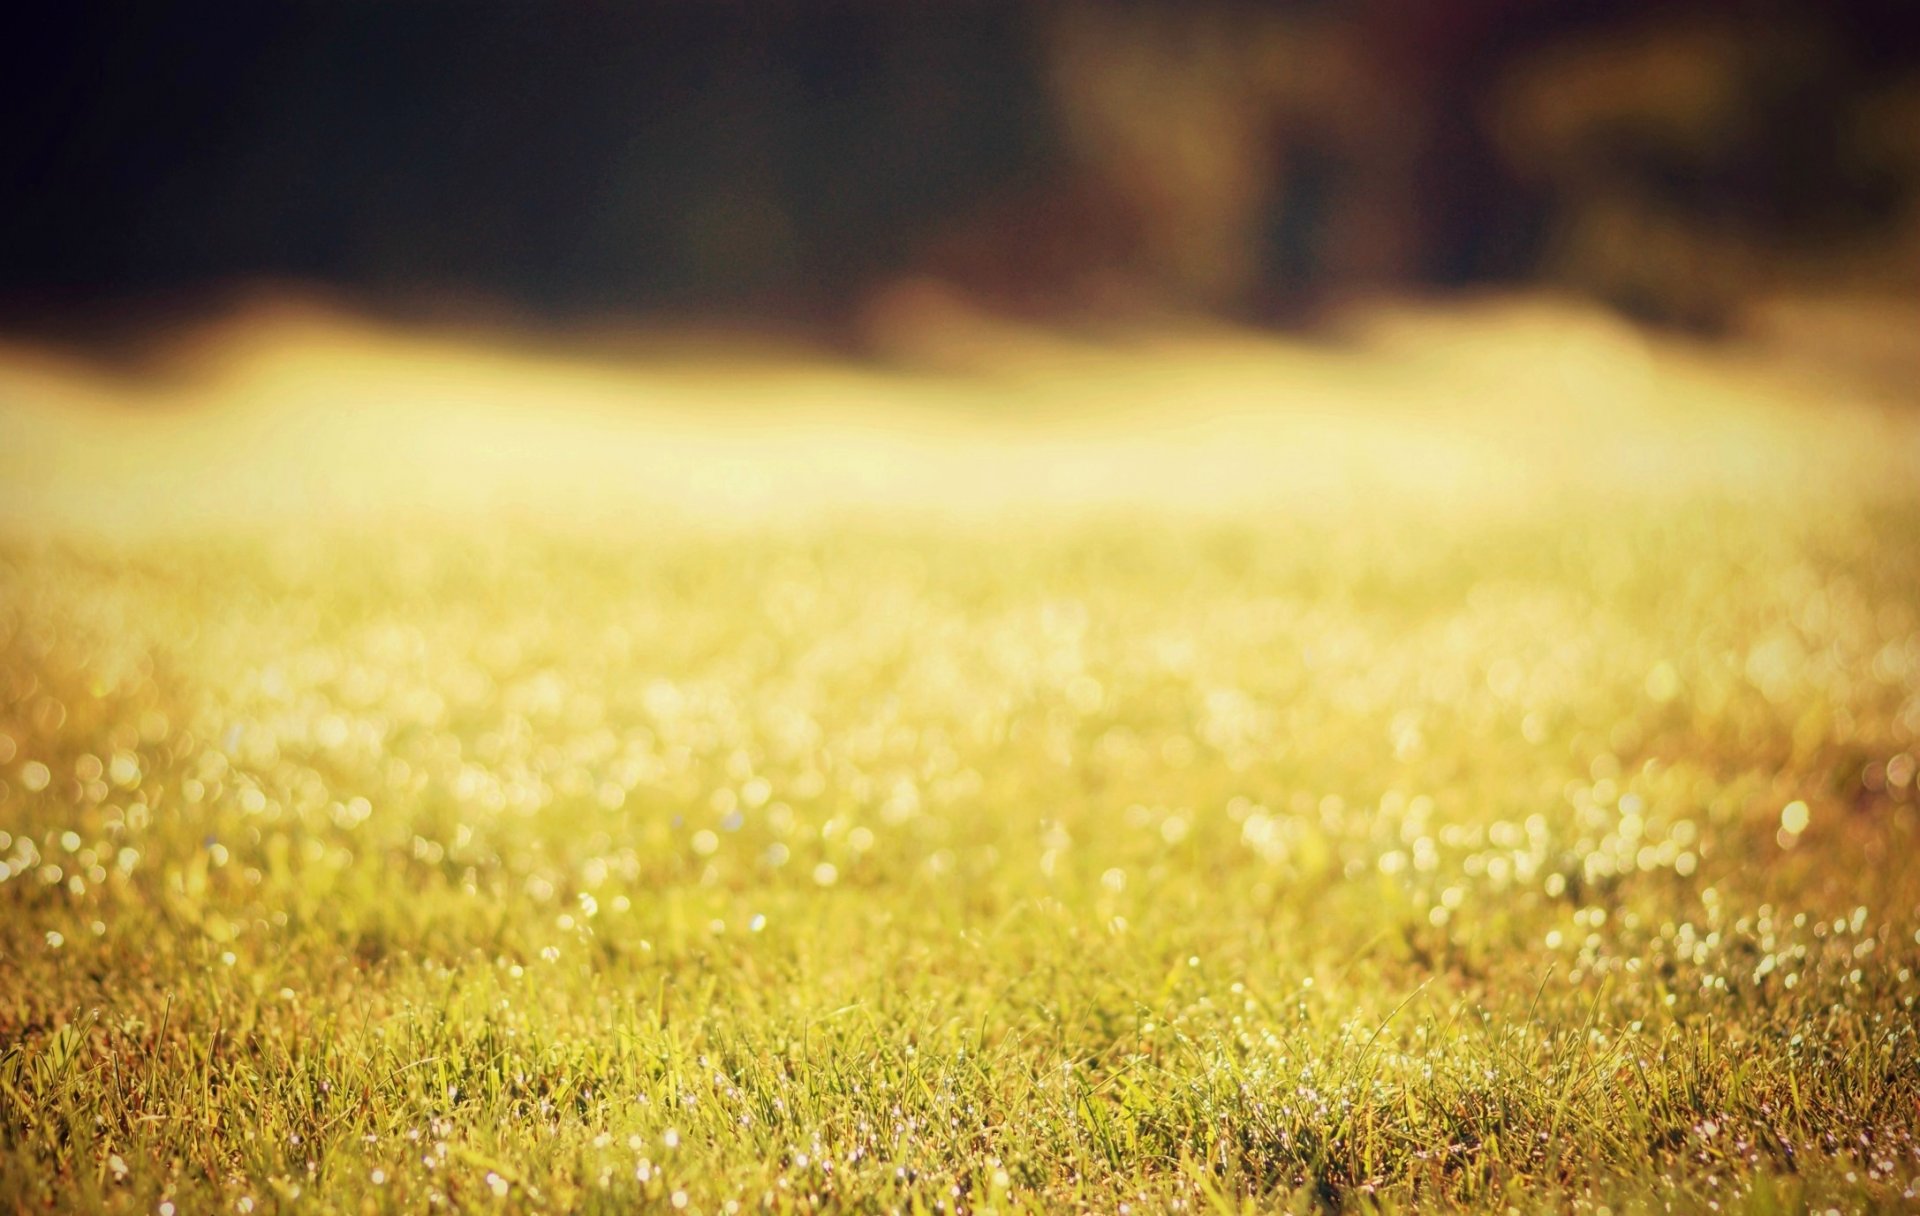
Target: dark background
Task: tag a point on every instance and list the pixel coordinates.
(791, 161)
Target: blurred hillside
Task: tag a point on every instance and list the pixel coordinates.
(849, 162)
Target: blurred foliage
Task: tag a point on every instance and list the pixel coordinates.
(1257, 160)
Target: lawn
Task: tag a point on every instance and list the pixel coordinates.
(1496, 811)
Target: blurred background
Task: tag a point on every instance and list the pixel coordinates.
(841, 169)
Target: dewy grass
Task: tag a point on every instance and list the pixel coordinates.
(1556, 858)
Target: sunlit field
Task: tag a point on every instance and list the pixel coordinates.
(1470, 763)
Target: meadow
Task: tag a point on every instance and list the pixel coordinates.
(1496, 794)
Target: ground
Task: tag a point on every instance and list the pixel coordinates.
(1468, 766)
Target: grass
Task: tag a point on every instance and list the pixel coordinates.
(1113, 860)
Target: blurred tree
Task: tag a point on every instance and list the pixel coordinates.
(1252, 159)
